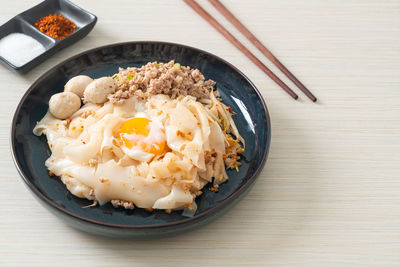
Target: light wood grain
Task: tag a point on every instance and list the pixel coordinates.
(330, 192)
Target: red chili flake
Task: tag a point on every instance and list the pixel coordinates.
(56, 26)
(214, 188)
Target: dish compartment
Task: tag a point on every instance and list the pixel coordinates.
(17, 25)
(80, 17)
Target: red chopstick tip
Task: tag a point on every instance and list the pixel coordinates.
(310, 96)
(291, 93)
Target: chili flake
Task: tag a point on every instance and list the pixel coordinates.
(56, 26)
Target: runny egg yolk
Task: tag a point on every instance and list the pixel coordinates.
(137, 133)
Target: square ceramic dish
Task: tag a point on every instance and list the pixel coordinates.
(24, 23)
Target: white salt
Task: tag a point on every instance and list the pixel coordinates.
(19, 48)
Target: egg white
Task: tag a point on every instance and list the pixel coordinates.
(155, 136)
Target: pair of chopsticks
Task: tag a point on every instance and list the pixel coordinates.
(229, 16)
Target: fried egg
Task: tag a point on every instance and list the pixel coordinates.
(141, 138)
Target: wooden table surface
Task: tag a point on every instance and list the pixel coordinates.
(330, 191)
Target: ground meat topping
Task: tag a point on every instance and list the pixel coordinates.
(93, 162)
(123, 204)
(154, 78)
(91, 193)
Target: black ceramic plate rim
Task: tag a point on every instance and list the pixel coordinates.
(215, 208)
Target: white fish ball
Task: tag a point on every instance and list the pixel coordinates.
(98, 90)
(77, 84)
(63, 105)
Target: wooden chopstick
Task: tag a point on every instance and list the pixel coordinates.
(229, 16)
(196, 7)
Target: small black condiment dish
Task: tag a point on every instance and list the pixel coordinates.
(24, 23)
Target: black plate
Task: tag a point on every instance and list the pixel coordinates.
(30, 152)
(24, 23)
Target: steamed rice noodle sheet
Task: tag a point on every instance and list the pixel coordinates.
(153, 153)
